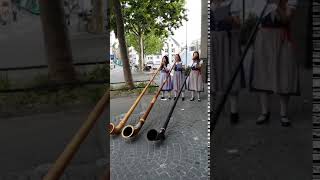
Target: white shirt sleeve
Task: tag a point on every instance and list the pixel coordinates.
(236, 6)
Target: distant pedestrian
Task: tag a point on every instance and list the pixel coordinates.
(165, 77)
(14, 13)
(275, 68)
(195, 82)
(178, 77)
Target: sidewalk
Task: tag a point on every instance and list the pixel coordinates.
(184, 153)
(30, 144)
(270, 151)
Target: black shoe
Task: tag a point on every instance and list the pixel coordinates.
(169, 98)
(182, 98)
(162, 97)
(199, 100)
(234, 118)
(285, 122)
(174, 98)
(192, 99)
(263, 118)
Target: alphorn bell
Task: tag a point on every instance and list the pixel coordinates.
(216, 112)
(154, 135)
(130, 131)
(115, 130)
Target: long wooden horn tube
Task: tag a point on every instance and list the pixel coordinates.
(154, 135)
(115, 130)
(66, 156)
(129, 130)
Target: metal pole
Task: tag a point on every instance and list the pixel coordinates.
(186, 43)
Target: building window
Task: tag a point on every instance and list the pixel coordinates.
(172, 50)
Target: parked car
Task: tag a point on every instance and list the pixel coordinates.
(156, 64)
(149, 64)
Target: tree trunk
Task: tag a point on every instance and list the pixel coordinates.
(97, 21)
(122, 43)
(56, 39)
(141, 53)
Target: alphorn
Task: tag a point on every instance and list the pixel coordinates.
(115, 130)
(154, 135)
(129, 130)
(216, 112)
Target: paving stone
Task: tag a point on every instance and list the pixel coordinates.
(171, 159)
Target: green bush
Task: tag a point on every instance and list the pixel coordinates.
(100, 72)
(4, 83)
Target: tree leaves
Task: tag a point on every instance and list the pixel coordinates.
(151, 20)
(152, 43)
(160, 17)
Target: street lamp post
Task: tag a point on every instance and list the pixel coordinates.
(186, 43)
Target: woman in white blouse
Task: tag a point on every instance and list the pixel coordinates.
(275, 69)
(225, 30)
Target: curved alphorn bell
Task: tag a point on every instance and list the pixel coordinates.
(129, 130)
(114, 130)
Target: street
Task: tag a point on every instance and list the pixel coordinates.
(116, 75)
(184, 153)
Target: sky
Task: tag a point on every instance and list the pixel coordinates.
(194, 23)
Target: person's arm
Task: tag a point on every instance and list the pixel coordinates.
(198, 65)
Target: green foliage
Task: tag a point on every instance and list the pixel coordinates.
(145, 16)
(123, 90)
(24, 102)
(39, 80)
(187, 71)
(152, 43)
(4, 83)
(100, 72)
(150, 20)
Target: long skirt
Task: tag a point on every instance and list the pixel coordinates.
(168, 85)
(178, 80)
(225, 57)
(275, 68)
(195, 82)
